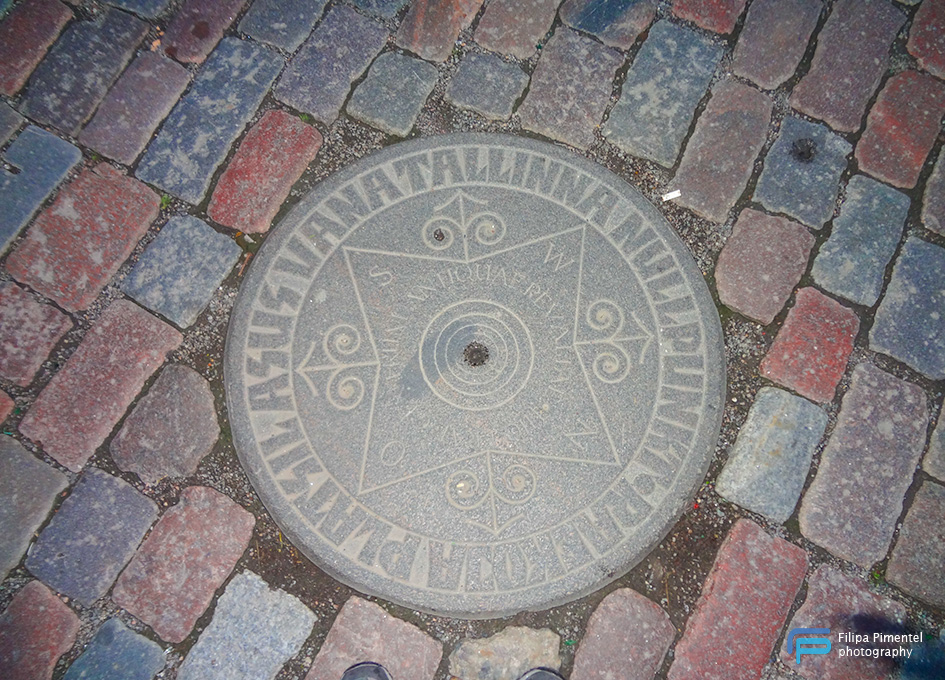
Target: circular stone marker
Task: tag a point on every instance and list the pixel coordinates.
(475, 374)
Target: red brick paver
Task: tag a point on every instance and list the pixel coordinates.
(927, 37)
(832, 600)
(810, 353)
(761, 263)
(743, 606)
(713, 15)
(853, 504)
(35, 630)
(901, 128)
(365, 632)
(626, 639)
(198, 27)
(271, 158)
(774, 40)
(80, 406)
(79, 242)
(720, 156)
(28, 332)
(188, 555)
(851, 57)
(918, 561)
(515, 26)
(431, 26)
(25, 35)
(6, 405)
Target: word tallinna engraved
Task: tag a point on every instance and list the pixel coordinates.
(474, 374)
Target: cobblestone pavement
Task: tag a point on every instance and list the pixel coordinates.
(147, 147)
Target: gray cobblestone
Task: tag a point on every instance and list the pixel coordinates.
(391, 96)
(487, 85)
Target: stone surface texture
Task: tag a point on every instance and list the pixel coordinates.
(713, 15)
(132, 110)
(384, 9)
(626, 638)
(487, 85)
(910, 325)
(35, 630)
(6, 405)
(774, 39)
(91, 537)
(809, 354)
(743, 606)
(918, 560)
(197, 28)
(254, 631)
(852, 506)
(42, 161)
(616, 24)
(832, 600)
(431, 27)
(934, 462)
(10, 122)
(170, 429)
(507, 654)
(70, 82)
(86, 398)
(143, 8)
(761, 263)
(29, 489)
(25, 35)
(318, 78)
(933, 201)
(768, 465)
(28, 332)
(721, 153)
(269, 160)
(927, 37)
(852, 55)
(197, 136)
(795, 184)
(515, 27)
(392, 95)
(282, 23)
(116, 651)
(363, 631)
(553, 106)
(78, 243)
(181, 269)
(674, 65)
(186, 557)
(901, 128)
(852, 263)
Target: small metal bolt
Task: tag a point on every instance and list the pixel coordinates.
(439, 235)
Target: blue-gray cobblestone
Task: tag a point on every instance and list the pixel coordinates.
(668, 78)
(384, 9)
(766, 470)
(800, 181)
(10, 120)
(318, 79)
(143, 8)
(117, 652)
(486, 84)
(853, 261)
(28, 488)
(934, 462)
(617, 23)
(254, 631)
(180, 270)
(69, 83)
(282, 23)
(391, 96)
(198, 134)
(91, 538)
(43, 160)
(910, 321)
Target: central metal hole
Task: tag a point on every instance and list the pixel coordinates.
(476, 354)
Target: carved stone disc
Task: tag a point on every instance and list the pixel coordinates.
(475, 374)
